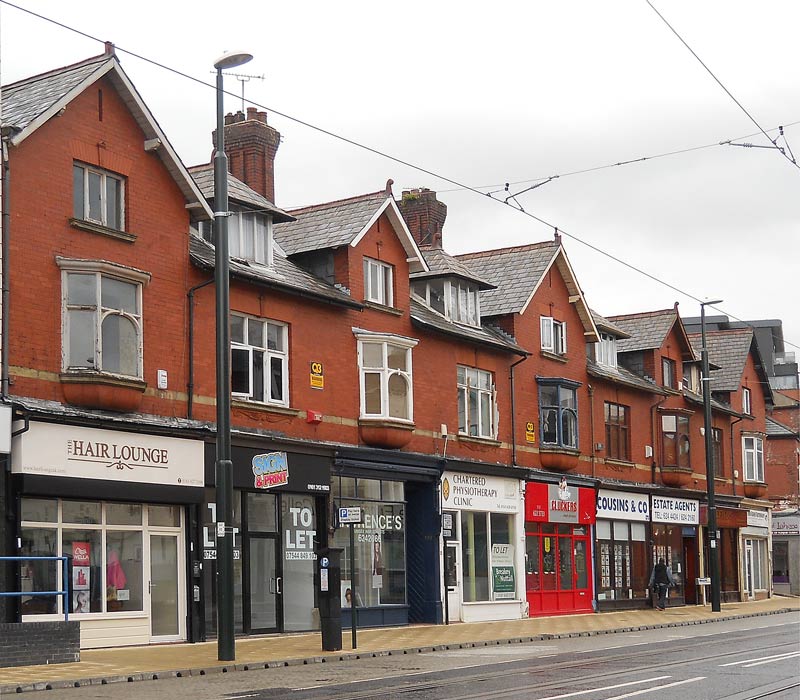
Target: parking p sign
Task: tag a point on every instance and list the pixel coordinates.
(350, 515)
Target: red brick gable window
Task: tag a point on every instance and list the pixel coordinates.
(675, 440)
(259, 360)
(753, 458)
(668, 373)
(747, 404)
(378, 282)
(616, 419)
(553, 335)
(102, 317)
(98, 196)
(385, 376)
(476, 402)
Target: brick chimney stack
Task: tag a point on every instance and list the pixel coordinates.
(424, 215)
(251, 145)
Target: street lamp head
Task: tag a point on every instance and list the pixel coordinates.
(232, 59)
(709, 303)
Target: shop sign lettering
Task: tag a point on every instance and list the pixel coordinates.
(786, 525)
(619, 505)
(757, 518)
(504, 585)
(675, 510)
(477, 492)
(270, 470)
(299, 542)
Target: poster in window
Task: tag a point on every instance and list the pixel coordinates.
(377, 562)
(504, 585)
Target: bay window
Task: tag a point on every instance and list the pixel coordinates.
(558, 412)
(675, 440)
(753, 457)
(385, 376)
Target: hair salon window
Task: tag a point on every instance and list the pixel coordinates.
(106, 541)
(380, 547)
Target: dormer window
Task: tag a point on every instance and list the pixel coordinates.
(691, 377)
(249, 235)
(606, 350)
(456, 300)
(378, 282)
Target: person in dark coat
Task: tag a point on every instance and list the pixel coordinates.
(660, 580)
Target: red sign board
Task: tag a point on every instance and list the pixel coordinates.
(726, 517)
(559, 503)
(81, 553)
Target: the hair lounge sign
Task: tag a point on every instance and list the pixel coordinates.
(90, 453)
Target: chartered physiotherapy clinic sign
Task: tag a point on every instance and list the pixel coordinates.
(621, 505)
(478, 492)
(47, 449)
(675, 510)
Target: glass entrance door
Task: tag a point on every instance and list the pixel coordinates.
(265, 584)
(164, 588)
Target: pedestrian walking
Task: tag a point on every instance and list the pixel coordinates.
(660, 580)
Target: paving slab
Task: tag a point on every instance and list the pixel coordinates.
(131, 664)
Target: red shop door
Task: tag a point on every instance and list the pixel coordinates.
(558, 569)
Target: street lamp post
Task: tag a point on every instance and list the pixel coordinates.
(713, 551)
(226, 650)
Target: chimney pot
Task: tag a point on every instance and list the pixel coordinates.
(424, 215)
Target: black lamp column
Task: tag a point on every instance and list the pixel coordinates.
(713, 549)
(226, 649)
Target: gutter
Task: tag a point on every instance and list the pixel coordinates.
(513, 411)
(190, 383)
(4, 300)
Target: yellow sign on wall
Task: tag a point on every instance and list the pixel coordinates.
(317, 376)
(530, 432)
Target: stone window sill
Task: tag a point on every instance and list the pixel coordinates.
(264, 407)
(385, 309)
(553, 356)
(101, 230)
(489, 442)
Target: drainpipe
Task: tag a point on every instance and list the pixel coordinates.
(4, 329)
(733, 461)
(653, 414)
(190, 385)
(591, 426)
(513, 413)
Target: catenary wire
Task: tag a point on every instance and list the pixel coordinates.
(719, 82)
(382, 154)
(630, 161)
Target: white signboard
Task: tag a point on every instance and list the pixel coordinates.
(786, 525)
(620, 505)
(757, 518)
(350, 515)
(675, 510)
(478, 492)
(90, 453)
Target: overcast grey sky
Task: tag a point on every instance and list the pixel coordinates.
(487, 94)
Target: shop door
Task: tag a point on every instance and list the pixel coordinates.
(265, 584)
(690, 568)
(748, 569)
(165, 586)
(452, 580)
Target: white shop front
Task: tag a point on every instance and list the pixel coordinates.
(755, 555)
(115, 502)
(483, 549)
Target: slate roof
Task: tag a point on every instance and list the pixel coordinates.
(328, 225)
(620, 375)
(728, 350)
(647, 330)
(716, 405)
(422, 315)
(515, 271)
(27, 99)
(29, 103)
(237, 190)
(776, 429)
(442, 264)
(283, 275)
(603, 324)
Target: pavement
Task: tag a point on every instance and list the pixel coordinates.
(130, 664)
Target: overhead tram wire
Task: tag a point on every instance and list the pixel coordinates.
(630, 161)
(719, 82)
(382, 154)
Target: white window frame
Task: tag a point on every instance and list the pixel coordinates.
(673, 373)
(383, 294)
(262, 236)
(99, 269)
(104, 175)
(385, 373)
(553, 335)
(268, 356)
(462, 301)
(606, 350)
(753, 458)
(747, 402)
(479, 382)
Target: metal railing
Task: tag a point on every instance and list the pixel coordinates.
(64, 592)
